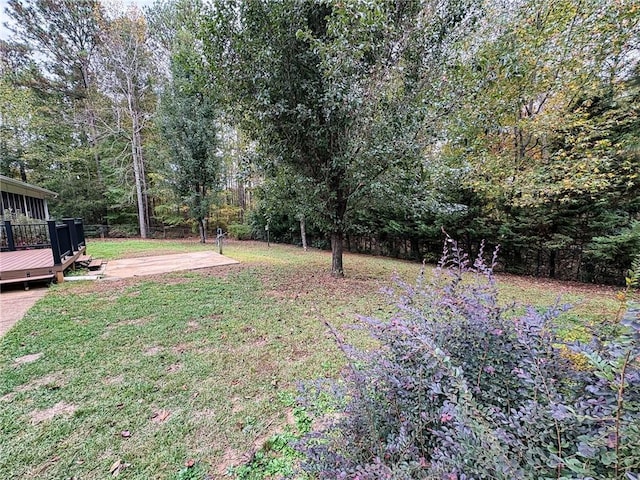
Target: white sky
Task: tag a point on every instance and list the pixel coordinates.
(4, 34)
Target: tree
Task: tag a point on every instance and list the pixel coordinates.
(547, 170)
(16, 104)
(322, 87)
(54, 43)
(189, 121)
(127, 80)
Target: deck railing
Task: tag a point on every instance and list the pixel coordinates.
(63, 238)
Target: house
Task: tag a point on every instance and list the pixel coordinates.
(20, 199)
(33, 247)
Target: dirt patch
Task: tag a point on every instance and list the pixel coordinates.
(204, 415)
(236, 405)
(43, 467)
(114, 288)
(301, 283)
(149, 352)
(260, 342)
(231, 458)
(32, 357)
(299, 354)
(176, 367)
(117, 380)
(181, 348)
(52, 381)
(192, 326)
(160, 416)
(8, 397)
(60, 408)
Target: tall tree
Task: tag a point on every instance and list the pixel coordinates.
(63, 37)
(127, 80)
(321, 86)
(189, 119)
(540, 82)
(16, 110)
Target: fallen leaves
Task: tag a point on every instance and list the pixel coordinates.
(117, 467)
(160, 416)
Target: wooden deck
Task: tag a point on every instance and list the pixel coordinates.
(31, 265)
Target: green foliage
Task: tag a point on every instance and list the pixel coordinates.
(301, 77)
(379, 123)
(240, 231)
(189, 120)
(193, 472)
(278, 456)
(462, 387)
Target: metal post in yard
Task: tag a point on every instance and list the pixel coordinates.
(266, 228)
(220, 236)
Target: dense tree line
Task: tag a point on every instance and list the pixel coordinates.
(371, 125)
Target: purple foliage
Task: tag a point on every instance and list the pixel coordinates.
(464, 388)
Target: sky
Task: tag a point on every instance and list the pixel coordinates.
(4, 33)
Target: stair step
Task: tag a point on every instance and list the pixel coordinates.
(95, 264)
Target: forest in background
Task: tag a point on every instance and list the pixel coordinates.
(373, 126)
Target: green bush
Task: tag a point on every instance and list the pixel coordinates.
(463, 387)
(240, 231)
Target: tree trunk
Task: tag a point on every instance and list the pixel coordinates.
(138, 174)
(138, 164)
(336, 255)
(203, 230)
(303, 233)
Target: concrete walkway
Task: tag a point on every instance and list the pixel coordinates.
(14, 304)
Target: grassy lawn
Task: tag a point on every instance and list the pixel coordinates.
(133, 378)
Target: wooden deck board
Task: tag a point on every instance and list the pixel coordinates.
(21, 264)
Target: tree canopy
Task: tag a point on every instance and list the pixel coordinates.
(377, 124)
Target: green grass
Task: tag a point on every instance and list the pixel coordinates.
(116, 249)
(194, 365)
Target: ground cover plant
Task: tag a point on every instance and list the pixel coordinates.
(188, 375)
(461, 387)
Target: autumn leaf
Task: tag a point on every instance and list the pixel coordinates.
(115, 468)
(161, 415)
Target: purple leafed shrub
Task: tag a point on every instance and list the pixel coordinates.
(464, 388)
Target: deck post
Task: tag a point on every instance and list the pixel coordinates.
(73, 236)
(55, 244)
(80, 232)
(9, 231)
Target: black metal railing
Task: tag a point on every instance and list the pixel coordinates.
(63, 238)
(24, 236)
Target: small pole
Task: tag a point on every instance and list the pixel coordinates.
(266, 229)
(219, 237)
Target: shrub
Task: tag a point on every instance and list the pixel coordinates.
(463, 388)
(240, 231)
